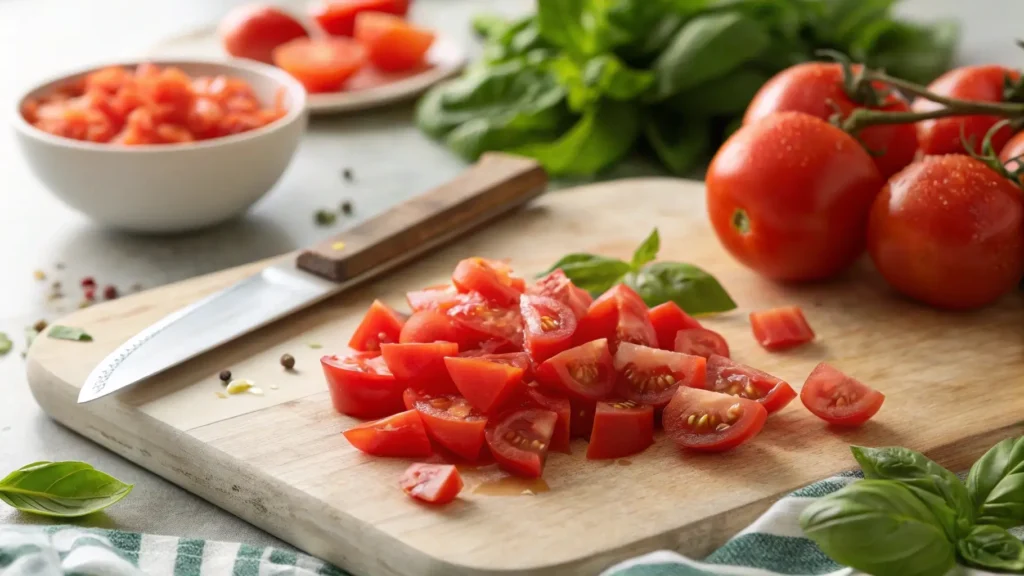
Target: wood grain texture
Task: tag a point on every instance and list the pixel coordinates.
(953, 384)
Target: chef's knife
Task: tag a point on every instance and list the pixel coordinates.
(494, 185)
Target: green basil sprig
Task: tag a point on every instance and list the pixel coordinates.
(992, 547)
(693, 289)
(996, 484)
(69, 333)
(61, 489)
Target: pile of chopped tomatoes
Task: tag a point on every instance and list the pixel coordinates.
(493, 367)
(150, 105)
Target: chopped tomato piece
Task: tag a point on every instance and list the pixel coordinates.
(433, 483)
(428, 326)
(492, 279)
(520, 360)
(618, 315)
(581, 423)
(320, 64)
(533, 397)
(451, 421)
(254, 30)
(621, 428)
(651, 376)
(585, 372)
(392, 43)
(486, 384)
(401, 436)
(478, 321)
(421, 366)
(549, 326)
(781, 328)
(520, 441)
(558, 286)
(361, 385)
(839, 399)
(709, 421)
(380, 325)
(437, 298)
(338, 17)
(668, 319)
(730, 377)
(701, 342)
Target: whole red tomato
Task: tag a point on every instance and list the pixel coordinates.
(980, 83)
(789, 196)
(1011, 151)
(949, 231)
(813, 88)
(254, 30)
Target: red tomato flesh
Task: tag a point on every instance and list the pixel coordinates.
(781, 328)
(428, 326)
(729, 377)
(621, 428)
(486, 384)
(437, 298)
(479, 321)
(433, 483)
(421, 366)
(558, 286)
(451, 421)
(393, 45)
(701, 342)
(491, 279)
(549, 326)
(520, 441)
(254, 30)
(338, 17)
(380, 325)
(708, 421)
(668, 319)
(520, 360)
(585, 372)
(581, 422)
(618, 315)
(400, 436)
(361, 385)
(839, 399)
(650, 376)
(533, 397)
(321, 64)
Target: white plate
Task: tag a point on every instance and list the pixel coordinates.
(445, 58)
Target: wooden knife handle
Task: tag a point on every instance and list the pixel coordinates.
(495, 184)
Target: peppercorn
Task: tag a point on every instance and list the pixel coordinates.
(110, 292)
(288, 361)
(225, 376)
(346, 207)
(347, 174)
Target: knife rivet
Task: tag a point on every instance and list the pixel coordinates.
(338, 246)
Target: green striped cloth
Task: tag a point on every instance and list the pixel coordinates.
(770, 546)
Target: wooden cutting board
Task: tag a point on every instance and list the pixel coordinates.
(953, 382)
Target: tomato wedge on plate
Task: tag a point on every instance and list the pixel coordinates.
(839, 399)
(421, 366)
(730, 377)
(486, 384)
(533, 397)
(558, 286)
(701, 342)
(321, 64)
(781, 328)
(451, 421)
(549, 326)
(400, 436)
(585, 372)
(668, 319)
(392, 44)
(618, 315)
(428, 326)
(709, 421)
(361, 385)
(380, 325)
(479, 321)
(520, 441)
(621, 428)
(433, 483)
(491, 279)
(338, 17)
(651, 376)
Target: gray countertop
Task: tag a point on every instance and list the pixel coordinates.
(390, 159)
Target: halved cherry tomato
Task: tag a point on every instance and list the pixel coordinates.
(428, 326)
(321, 64)
(438, 298)
(729, 377)
(558, 286)
(433, 483)
(361, 385)
(781, 328)
(581, 423)
(380, 325)
(549, 326)
(651, 376)
(451, 421)
(839, 399)
(621, 428)
(668, 319)
(709, 421)
(401, 436)
(520, 441)
(421, 366)
(338, 17)
(618, 315)
(701, 342)
(479, 321)
(486, 384)
(492, 279)
(585, 372)
(254, 30)
(533, 397)
(393, 45)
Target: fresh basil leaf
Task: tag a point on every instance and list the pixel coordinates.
(996, 484)
(580, 27)
(706, 48)
(725, 96)
(910, 51)
(59, 332)
(879, 527)
(601, 76)
(694, 290)
(61, 489)
(595, 274)
(939, 488)
(5, 344)
(647, 250)
(679, 142)
(490, 26)
(843, 19)
(644, 27)
(992, 548)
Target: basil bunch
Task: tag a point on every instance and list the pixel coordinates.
(693, 289)
(62, 489)
(912, 517)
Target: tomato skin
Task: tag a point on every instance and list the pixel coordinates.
(320, 64)
(450, 420)
(806, 210)
(549, 326)
(781, 328)
(729, 377)
(525, 454)
(361, 385)
(694, 401)
(668, 319)
(948, 231)
(620, 429)
(701, 342)
(399, 436)
(380, 325)
(558, 286)
(393, 45)
(650, 376)
(421, 366)
(618, 315)
(491, 279)
(428, 326)
(531, 396)
(487, 385)
(338, 17)
(254, 30)
(978, 83)
(585, 372)
(859, 402)
(816, 88)
(432, 483)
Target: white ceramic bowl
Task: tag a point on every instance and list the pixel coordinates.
(170, 187)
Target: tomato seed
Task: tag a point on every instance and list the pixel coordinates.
(440, 403)
(691, 420)
(722, 426)
(547, 323)
(733, 413)
(703, 421)
(625, 405)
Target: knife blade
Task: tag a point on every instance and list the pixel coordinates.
(494, 185)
